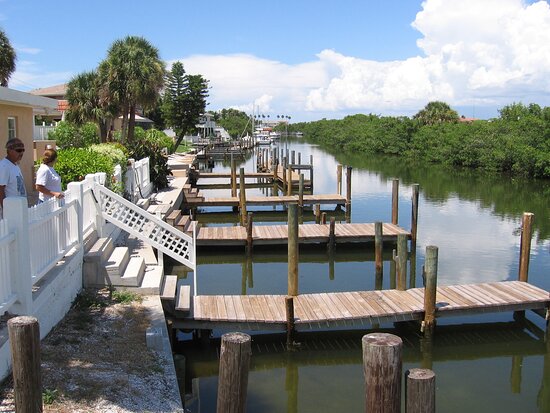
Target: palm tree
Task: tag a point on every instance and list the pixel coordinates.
(85, 104)
(131, 75)
(436, 112)
(7, 59)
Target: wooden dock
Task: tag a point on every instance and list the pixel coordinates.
(324, 310)
(233, 201)
(308, 234)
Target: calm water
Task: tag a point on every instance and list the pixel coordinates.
(486, 363)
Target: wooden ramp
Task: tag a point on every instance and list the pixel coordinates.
(307, 233)
(256, 312)
(324, 199)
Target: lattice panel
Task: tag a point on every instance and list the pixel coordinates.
(146, 226)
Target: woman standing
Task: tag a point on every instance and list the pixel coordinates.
(48, 181)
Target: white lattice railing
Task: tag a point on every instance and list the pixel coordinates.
(146, 226)
(53, 231)
(7, 247)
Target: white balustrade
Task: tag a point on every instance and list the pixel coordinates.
(7, 246)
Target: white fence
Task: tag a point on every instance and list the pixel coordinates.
(138, 181)
(41, 132)
(33, 240)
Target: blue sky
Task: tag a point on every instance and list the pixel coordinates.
(308, 59)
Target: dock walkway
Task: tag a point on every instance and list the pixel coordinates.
(307, 233)
(321, 199)
(267, 312)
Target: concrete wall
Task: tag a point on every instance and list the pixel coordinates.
(25, 129)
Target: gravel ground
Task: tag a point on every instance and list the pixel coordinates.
(97, 360)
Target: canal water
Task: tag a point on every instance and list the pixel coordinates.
(483, 363)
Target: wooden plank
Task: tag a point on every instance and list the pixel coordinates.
(240, 314)
(220, 306)
(169, 287)
(270, 317)
(230, 308)
(183, 303)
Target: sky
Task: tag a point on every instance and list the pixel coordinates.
(308, 59)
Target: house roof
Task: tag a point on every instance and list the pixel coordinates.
(40, 104)
(57, 90)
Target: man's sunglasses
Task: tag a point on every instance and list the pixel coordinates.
(18, 150)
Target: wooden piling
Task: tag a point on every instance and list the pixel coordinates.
(525, 246)
(233, 178)
(311, 172)
(420, 391)
(289, 174)
(233, 376)
(24, 335)
(414, 215)
(348, 187)
(402, 256)
(299, 158)
(293, 244)
(323, 218)
(284, 175)
(332, 234)
(249, 223)
(382, 366)
(301, 192)
(339, 179)
(378, 247)
(292, 157)
(290, 328)
(430, 288)
(395, 202)
(242, 196)
(317, 213)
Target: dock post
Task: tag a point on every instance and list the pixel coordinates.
(525, 246)
(301, 192)
(293, 249)
(249, 223)
(420, 391)
(292, 157)
(317, 213)
(402, 256)
(233, 376)
(24, 335)
(323, 218)
(348, 188)
(233, 178)
(430, 290)
(290, 330)
(332, 234)
(275, 166)
(299, 158)
(393, 264)
(395, 202)
(382, 366)
(284, 175)
(289, 187)
(378, 247)
(311, 172)
(414, 215)
(339, 179)
(242, 198)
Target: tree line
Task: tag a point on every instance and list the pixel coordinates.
(516, 142)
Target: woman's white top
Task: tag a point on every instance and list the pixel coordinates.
(47, 177)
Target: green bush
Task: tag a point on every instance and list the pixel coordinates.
(160, 137)
(68, 135)
(150, 145)
(74, 164)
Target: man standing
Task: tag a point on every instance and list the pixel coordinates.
(11, 178)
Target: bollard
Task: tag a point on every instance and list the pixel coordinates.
(378, 247)
(339, 179)
(332, 234)
(290, 329)
(233, 376)
(414, 215)
(233, 178)
(242, 198)
(382, 366)
(24, 335)
(323, 218)
(301, 192)
(289, 174)
(420, 391)
(430, 290)
(249, 223)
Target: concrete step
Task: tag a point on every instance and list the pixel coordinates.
(133, 276)
(152, 280)
(93, 270)
(117, 262)
(100, 250)
(143, 203)
(141, 248)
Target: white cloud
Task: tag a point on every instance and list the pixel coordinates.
(490, 52)
(27, 50)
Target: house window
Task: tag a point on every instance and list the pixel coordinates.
(12, 128)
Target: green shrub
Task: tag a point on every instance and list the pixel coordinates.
(68, 135)
(74, 164)
(160, 137)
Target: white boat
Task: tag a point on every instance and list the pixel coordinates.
(263, 139)
(274, 136)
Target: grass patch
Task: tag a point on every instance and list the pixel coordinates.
(126, 297)
(49, 396)
(88, 300)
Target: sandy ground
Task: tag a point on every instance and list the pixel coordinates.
(97, 360)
